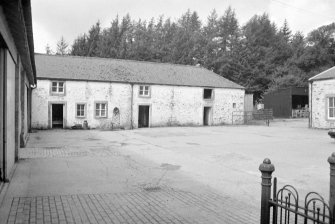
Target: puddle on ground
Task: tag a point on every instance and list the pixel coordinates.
(170, 167)
(152, 188)
(52, 147)
(93, 139)
(192, 143)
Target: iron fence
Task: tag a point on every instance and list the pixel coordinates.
(286, 207)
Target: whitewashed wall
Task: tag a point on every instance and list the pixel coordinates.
(116, 95)
(318, 102)
(169, 105)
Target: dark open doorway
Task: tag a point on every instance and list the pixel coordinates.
(57, 115)
(299, 101)
(143, 116)
(207, 111)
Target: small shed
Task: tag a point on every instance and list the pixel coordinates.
(288, 102)
(248, 102)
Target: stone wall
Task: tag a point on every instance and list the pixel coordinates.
(115, 95)
(318, 93)
(169, 105)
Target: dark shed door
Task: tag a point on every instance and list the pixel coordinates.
(143, 116)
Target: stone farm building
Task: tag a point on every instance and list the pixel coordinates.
(112, 93)
(322, 100)
(17, 77)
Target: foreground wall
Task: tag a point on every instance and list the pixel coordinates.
(319, 92)
(168, 105)
(14, 97)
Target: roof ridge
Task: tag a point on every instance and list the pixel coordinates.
(119, 59)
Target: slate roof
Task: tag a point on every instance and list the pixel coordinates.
(328, 74)
(127, 71)
(18, 17)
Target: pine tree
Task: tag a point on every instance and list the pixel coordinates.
(285, 31)
(62, 46)
(48, 50)
(93, 39)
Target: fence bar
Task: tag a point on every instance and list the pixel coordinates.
(275, 200)
(266, 169)
(331, 161)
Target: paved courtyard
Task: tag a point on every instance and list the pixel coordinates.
(161, 175)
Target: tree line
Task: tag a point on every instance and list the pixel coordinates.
(259, 55)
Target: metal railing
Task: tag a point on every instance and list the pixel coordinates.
(285, 205)
(246, 117)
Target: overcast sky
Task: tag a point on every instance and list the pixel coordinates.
(69, 18)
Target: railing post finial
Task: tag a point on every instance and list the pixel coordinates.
(331, 160)
(266, 169)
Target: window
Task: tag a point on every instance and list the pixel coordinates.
(208, 94)
(80, 110)
(101, 110)
(144, 91)
(234, 105)
(57, 87)
(331, 107)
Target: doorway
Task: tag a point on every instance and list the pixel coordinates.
(299, 101)
(206, 117)
(57, 116)
(143, 116)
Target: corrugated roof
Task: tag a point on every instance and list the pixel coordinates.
(115, 70)
(328, 74)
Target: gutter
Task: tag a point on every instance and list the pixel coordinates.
(311, 106)
(131, 106)
(138, 83)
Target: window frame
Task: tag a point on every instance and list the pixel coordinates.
(85, 110)
(328, 97)
(95, 109)
(57, 87)
(212, 94)
(143, 91)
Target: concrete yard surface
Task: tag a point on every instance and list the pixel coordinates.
(162, 175)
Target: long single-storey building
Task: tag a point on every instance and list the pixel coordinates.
(17, 77)
(111, 93)
(322, 100)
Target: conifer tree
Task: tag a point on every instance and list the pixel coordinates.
(62, 46)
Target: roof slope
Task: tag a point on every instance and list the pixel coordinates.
(328, 74)
(115, 70)
(18, 16)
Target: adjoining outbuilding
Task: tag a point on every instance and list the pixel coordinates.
(322, 100)
(112, 93)
(288, 102)
(17, 78)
